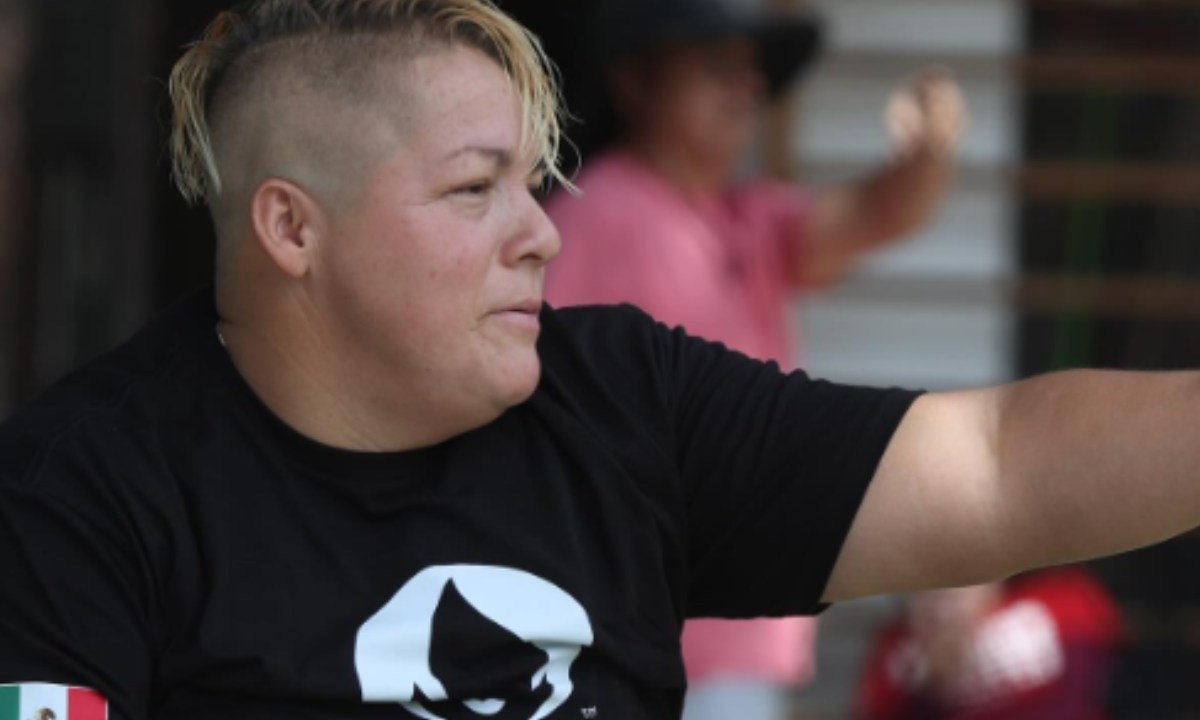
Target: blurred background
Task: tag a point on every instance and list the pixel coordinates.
(1072, 236)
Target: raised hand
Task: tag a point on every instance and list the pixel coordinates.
(928, 115)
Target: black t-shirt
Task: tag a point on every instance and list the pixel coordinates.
(168, 542)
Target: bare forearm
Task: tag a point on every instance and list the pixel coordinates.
(881, 209)
(1097, 462)
(853, 218)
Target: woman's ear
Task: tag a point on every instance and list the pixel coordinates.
(287, 224)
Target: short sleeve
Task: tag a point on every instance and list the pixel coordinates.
(77, 600)
(774, 468)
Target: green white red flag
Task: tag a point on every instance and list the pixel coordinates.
(40, 701)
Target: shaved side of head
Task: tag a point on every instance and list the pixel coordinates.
(314, 114)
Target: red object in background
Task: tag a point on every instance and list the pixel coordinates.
(1044, 651)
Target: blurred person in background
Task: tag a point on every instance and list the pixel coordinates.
(664, 223)
(1038, 646)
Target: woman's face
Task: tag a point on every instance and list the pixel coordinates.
(434, 274)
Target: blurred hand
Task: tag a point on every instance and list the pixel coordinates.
(926, 119)
(927, 116)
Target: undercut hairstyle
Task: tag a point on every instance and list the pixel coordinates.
(338, 45)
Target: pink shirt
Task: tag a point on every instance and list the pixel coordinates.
(720, 267)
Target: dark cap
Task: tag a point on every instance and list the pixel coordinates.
(787, 41)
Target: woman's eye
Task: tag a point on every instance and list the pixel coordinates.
(476, 188)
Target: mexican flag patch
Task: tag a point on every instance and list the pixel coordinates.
(39, 701)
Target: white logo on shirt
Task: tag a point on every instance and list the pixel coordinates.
(393, 649)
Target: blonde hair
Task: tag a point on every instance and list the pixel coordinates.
(239, 43)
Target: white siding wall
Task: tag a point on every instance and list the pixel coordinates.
(911, 334)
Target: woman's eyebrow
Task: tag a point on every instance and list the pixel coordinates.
(502, 157)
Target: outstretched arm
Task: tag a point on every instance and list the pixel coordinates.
(925, 120)
(983, 484)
